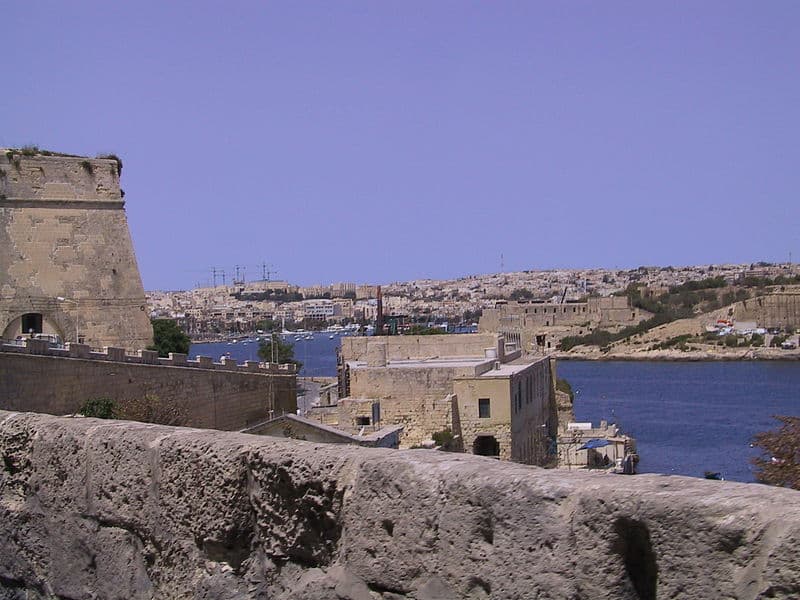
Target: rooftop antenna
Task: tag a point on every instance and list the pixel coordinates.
(502, 263)
(241, 275)
(266, 271)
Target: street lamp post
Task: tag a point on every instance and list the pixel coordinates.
(77, 321)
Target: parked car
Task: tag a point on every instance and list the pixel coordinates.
(55, 340)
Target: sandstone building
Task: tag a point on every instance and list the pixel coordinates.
(67, 265)
(539, 326)
(494, 401)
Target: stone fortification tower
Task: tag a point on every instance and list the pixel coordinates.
(67, 265)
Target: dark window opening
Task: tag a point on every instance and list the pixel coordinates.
(484, 411)
(362, 421)
(486, 445)
(32, 323)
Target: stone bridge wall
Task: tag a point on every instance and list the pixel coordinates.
(99, 509)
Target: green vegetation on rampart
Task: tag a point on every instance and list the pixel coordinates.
(424, 330)
(602, 338)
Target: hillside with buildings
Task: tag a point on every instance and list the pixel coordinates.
(573, 312)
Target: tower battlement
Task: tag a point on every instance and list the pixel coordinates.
(67, 265)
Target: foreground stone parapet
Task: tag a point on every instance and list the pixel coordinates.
(105, 509)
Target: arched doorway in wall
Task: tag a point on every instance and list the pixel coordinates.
(29, 324)
(486, 445)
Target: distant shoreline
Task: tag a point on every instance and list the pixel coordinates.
(678, 356)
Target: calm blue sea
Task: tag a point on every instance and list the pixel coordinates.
(688, 418)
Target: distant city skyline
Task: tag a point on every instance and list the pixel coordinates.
(372, 142)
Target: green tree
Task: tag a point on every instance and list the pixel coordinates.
(779, 463)
(168, 337)
(284, 352)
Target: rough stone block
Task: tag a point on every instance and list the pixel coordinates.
(176, 358)
(78, 350)
(149, 357)
(229, 363)
(115, 354)
(37, 346)
(91, 508)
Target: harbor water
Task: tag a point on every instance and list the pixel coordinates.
(687, 418)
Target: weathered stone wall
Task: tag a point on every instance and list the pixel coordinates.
(420, 417)
(403, 347)
(97, 509)
(422, 383)
(523, 321)
(63, 233)
(213, 398)
(780, 309)
(533, 425)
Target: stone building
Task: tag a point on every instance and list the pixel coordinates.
(481, 389)
(539, 326)
(67, 265)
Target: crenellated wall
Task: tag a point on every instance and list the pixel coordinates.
(99, 509)
(217, 396)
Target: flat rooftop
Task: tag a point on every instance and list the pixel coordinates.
(453, 362)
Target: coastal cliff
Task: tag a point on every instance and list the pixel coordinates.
(111, 509)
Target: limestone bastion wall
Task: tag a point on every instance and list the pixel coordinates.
(216, 396)
(64, 233)
(779, 309)
(103, 509)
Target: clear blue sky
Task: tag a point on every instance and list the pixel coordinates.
(383, 141)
